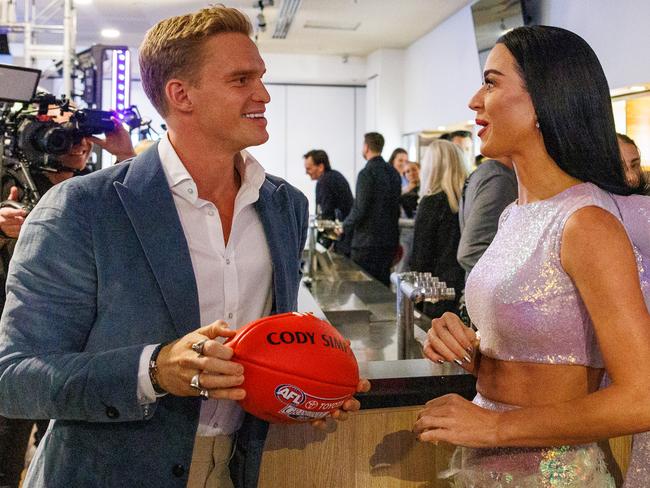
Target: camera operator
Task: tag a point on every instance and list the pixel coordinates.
(15, 433)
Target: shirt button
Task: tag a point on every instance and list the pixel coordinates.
(211, 212)
(190, 190)
(230, 315)
(227, 261)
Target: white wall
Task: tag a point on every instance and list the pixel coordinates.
(616, 30)
(441, 73)
(385, 96)
(314, 69)
(308, 117)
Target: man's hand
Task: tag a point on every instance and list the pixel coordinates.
(117, 142)
(178, 363)
(350, 405)
(11, 219)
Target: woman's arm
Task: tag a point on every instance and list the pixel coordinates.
(598, 256)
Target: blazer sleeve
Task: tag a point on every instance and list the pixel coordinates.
(45, 370)
(491, 196)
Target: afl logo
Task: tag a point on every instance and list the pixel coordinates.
(290, 394)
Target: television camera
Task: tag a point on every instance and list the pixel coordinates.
(31, 139)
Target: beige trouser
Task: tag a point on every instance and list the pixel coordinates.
(210, 458)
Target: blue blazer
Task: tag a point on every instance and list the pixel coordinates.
(101, 269)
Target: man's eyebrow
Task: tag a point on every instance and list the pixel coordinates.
(242, 72)
(492, 72)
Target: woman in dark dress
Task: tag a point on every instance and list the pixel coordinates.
(437, 232)
(410, 193)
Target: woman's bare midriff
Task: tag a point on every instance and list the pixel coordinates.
(532, 384)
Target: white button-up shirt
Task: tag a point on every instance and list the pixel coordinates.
(234, 281)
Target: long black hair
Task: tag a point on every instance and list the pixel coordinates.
(570, 95)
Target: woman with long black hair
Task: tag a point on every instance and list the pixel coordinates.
(562, 293)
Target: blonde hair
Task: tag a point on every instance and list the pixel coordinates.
(442, 169)
(172, 48)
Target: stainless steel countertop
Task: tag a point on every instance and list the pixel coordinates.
(364, 311)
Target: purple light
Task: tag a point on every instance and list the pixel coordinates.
(120, 82)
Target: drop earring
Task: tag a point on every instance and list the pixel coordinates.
(537, 124)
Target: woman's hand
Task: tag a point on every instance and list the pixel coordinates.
(449, 339)
(451, 418)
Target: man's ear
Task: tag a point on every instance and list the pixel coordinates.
(176, 92)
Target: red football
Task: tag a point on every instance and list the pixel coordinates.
(297, 367)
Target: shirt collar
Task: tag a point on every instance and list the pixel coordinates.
(181, 182)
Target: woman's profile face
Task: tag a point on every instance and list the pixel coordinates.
(503, 107)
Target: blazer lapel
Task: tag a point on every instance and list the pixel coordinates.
(150, 207)
(273, 209)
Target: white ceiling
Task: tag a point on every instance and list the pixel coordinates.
(383, 23)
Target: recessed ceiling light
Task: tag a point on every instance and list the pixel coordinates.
(637, 88)
(442, 127)
(110, 33)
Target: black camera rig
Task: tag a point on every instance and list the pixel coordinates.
(32, 140)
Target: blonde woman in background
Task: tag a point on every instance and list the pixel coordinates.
(437, 233)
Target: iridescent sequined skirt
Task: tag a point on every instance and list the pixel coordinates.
(553, 467)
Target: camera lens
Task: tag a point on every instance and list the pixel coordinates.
(54, 140)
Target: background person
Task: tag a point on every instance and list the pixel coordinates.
(399, 159)
(557, 297)
(487, 192)
(463, 139)
(374, 218)
(333, 195)
(411, 192)
(631, 159)
(437, 233)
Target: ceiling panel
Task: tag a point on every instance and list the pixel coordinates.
(382, 23)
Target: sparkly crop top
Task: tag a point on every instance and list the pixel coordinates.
(523, 303)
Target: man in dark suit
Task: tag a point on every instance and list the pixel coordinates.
(120, 279)
(375, 214)
(333, 195)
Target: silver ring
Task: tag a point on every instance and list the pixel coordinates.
(197, 347)
(195, 383)
(204, 394)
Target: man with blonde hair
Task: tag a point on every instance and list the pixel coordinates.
(113, 268)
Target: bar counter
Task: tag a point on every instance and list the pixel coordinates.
(375, 447)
